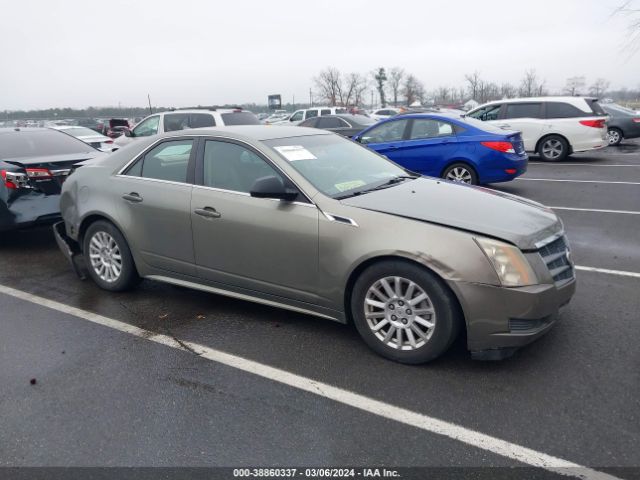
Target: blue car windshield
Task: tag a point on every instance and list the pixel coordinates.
(334, 165)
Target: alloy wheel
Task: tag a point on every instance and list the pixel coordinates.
(105, 257)
(614, 137)
(399, 313)
(552, 148)
(459, 174)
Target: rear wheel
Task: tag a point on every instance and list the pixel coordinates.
(404, 312)
(108, 257)
(461, 173)
(553, 148)
(615, 136)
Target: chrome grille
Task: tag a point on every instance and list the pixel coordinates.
(556, 256)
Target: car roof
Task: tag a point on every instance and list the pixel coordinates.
(252, 132)
(6, 130)
(567, 99)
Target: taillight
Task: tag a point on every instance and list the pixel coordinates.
(504, 147)
(108, 141)
(636, 120)
(7, 183)
(39, 173)
(593, 123)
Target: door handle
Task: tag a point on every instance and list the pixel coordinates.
(504, 125)
(207, 212)
(132, 197)
(393, 147)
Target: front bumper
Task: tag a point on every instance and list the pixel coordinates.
(70, 249)
(507, 318)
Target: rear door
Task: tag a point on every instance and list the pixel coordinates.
(154, 205)
(429, 145)
(527, 118)
(388, 138)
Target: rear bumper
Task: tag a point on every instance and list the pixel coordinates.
(596, 142)
(507, 318)
(28, 209)
(498, 170)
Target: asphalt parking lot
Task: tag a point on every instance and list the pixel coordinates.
(108, 396)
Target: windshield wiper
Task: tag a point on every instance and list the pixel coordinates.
(389, 183)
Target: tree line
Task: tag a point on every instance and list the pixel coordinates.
(397, 87)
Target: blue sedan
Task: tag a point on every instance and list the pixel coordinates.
(458, 149)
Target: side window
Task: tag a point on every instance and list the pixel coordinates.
(312, 113)
(296, 117)
(201, 120)
(387, 132)
(563, 110)
(229, 166)
(167, 161)
(308, 123)
(176, 121)
(329, 122)
(523, 110)
(490, 112)
(147, 127)
(325, 111)
(428, 128)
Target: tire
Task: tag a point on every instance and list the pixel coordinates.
(615, 136)
(462, 173)
(397, 313)
(102, 238)
(553, 148)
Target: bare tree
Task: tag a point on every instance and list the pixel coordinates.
(412, 89)
(442, 95)
(599, 87)
(475, 83)
(360, 84)
(529, 86)
(574, 85)
(380, 76)
(395, 83)
(507, 90)
(329, 85)
(629, 9)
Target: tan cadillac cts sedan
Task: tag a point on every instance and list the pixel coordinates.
(312, 222)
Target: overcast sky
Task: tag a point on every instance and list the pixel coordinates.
(77, 53)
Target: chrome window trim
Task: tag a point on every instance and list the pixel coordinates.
(151, 146)
(245, 194)
(157, 180)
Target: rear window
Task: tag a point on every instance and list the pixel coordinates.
(40, 143)
(596, 107)
(240, 118)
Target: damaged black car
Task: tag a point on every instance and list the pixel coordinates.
(34, 162)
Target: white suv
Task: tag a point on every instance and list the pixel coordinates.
(552, 127)
(301, 115)
(183, 119)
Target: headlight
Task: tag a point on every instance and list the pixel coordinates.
(510, 264)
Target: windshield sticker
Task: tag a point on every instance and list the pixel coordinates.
(342, 187)
(295, 152)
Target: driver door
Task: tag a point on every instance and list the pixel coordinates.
(255, 244)
(387, 138)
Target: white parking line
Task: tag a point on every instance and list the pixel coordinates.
(581, 164)
(572, 181)
(621, 273)
(410, 418)
(597, 210)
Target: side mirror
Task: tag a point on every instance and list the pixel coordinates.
(128, 133)
(272, 187)
(357, 139)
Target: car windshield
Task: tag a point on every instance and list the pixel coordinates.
(40, 143)
(334, 165)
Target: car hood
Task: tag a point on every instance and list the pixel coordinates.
(488, 212)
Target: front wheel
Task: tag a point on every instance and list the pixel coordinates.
(108, 257)
(553, 148)
(404, 312)
(461, 173)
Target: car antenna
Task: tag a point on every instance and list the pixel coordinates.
(150, 109)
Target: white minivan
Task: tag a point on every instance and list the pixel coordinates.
(552, 127)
